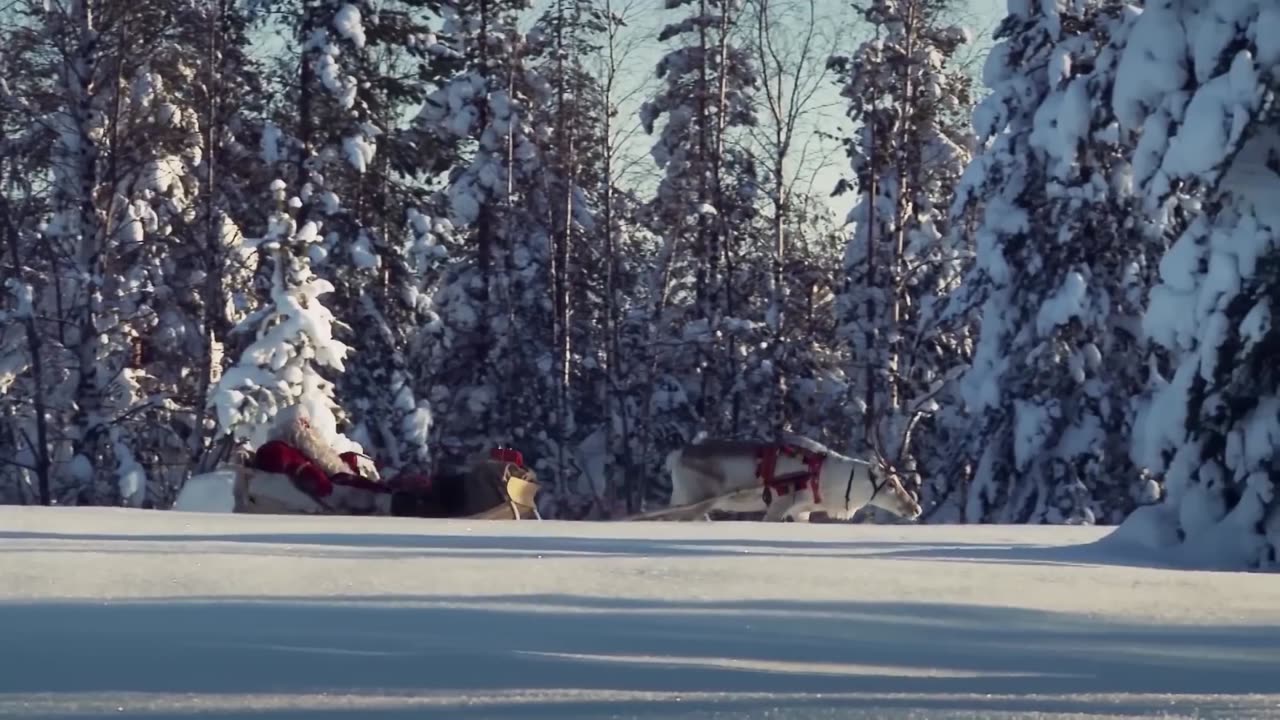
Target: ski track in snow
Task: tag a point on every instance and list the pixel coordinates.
(127, 613)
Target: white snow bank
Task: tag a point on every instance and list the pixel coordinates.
(210, 492)
(1211, 538)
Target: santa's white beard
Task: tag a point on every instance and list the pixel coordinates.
(295, 429)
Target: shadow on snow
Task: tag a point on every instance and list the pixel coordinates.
(421, 645)
(399, 545)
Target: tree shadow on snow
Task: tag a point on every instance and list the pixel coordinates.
(416, 645)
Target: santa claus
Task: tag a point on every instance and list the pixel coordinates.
(297, 471)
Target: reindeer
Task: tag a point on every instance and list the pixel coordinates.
(783, 479)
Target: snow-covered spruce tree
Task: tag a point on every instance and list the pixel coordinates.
(1198, 85)
(1062, 268)
(282, 368)
(198, 100)
(492, 370)
(364, 176)
(706, 194)
(208, 284)
(908, 99)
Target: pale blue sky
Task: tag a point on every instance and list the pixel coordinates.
(985, 16)
(827, 163)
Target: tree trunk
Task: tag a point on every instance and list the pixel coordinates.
(705, 249)
(214, 261)
(40, 451)
(78, 77)
(619, 444)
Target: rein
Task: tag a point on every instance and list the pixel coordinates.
(848, 487)
(875, 487)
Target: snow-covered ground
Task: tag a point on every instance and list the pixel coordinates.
(131, 613)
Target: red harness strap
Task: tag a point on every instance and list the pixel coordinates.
(767, 467)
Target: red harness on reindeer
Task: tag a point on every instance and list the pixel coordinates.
(767, 467)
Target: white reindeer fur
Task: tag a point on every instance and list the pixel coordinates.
(733, 486)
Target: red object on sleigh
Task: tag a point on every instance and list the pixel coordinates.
(510, 455)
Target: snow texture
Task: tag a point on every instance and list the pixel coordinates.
(208, 493)
(1059, 276)
(348, 23)
(127, 613)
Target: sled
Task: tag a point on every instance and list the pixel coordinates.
(491, 490)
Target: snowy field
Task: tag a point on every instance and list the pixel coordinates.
(122, 613)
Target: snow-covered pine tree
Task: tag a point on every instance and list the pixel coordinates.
(908, 98)
(25, 419)
(1062, 267)
(282, 369)
(492, 371)
(364, 174)
(104, 88)
(609, 268)
(707, 193)
(803, 352)
(1198, 84)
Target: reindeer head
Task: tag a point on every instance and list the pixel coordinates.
(891, 495)
(890, 475)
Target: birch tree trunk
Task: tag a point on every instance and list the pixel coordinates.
(82, 155)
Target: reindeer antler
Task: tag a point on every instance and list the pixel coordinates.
(916, 415)
(873, 438)
(877, 445)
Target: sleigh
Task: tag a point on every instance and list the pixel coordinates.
(492, 489)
